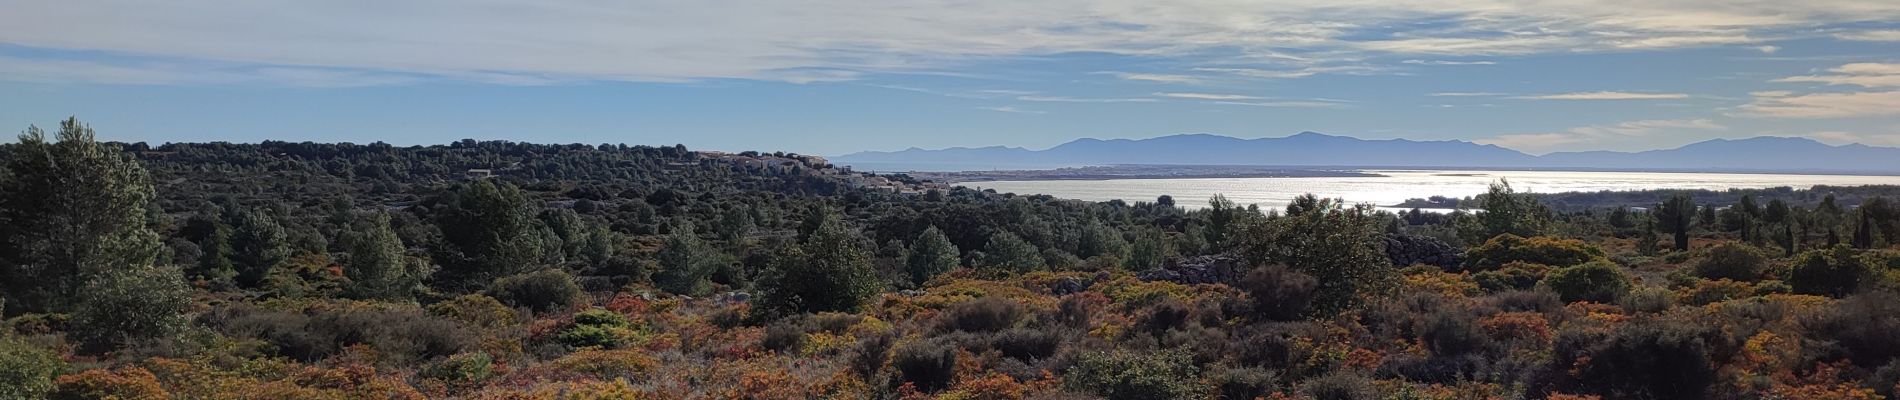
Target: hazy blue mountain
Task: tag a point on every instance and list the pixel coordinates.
(1304, 149)
(1316, 149)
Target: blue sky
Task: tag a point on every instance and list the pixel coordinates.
(833, 76)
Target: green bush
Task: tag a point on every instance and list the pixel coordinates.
(26, 370)
(929, 364)
(1027, 344)
(541, 291)
(1639, 360)
(131, 304)
(596, 328)
(1516, 275)
(1596, 281)
(986, 314)
(461, 369)
(1508, 248)
(1279, 294)
(401, 334)
(1125, 375)
(1340, 386)
(1732, 260)
(1833, 272)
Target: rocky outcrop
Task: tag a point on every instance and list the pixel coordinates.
(1408, 250)
(1197, 270)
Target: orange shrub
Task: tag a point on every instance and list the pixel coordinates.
(125, 383)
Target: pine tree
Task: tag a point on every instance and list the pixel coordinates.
(258, 243)
(930, 255)
(71, 211)
(1009, 252)
(376, 266)
(490, 232)
(686, 262)
(1150, 248)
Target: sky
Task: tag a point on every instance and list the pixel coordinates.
(833, 77)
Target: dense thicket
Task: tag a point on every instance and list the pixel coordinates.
(514, 270)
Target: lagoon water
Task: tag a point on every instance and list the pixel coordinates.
(1399, 185)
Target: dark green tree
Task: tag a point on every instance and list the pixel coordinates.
(1504, 210)
(258, 244)
(930, 255)
(71, 211)
(687, 263)
(376, 264)
(1150, 248)
(1676, 216)
(129, 305)
(490, 231)
(1009, 252)
(830, 271)
(1341, 247)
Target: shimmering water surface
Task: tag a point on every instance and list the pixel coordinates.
(1399, 185)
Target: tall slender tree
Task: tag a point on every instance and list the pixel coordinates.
(1676, 216)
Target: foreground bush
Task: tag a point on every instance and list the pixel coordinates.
(26, 370)
(544, 290)
(1597, 281)
(1279, 294)
(1643, 360)
(1831, 272)
(1734, 261)
(1128, 375)
(1508, 248)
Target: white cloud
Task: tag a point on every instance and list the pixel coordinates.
(1619, 135)
(1448, 62)
(1856, 74)
(1840, 138)
(1316, 103)
(1608, 95)
(1465, 94)
(1294, 73)
(1148, 77)
(1891, 35)
(1765, 49)
(1789, 104)
(1824, 105)
(1012, 110)
(830, 40)
(1206, 96)
(1066, 99)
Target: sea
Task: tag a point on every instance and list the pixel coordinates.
(1396, 186)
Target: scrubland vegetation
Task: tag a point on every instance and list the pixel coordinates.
(497, 270)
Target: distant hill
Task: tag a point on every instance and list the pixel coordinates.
(1763, 154)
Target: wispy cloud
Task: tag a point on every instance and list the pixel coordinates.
(1067, 99)
(1823, 105)
(1448, 62)
(1889, 35)
(1465, 94)
(1012, 110)
(1151, 77)
(824, 41)
(1286, 103)
(1623, 133)
(1857, 74)
(1294, 73)
(1608, 95)
(1790, 104)
(1841, 137)
(1206, 96)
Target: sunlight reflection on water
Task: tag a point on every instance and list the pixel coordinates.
(1400, 185)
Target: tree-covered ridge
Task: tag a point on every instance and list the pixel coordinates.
(497, 270)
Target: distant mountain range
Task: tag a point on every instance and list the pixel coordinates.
(1760, 154)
